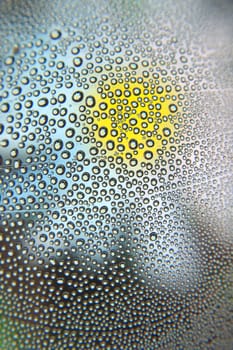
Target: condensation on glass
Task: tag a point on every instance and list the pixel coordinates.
(116, 175)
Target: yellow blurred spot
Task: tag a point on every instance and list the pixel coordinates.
(133, 118)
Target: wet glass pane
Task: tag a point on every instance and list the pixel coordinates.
(116, 191)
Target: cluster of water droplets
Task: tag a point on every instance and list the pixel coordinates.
(100, 162)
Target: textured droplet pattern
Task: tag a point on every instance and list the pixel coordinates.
(115, 177)
(132, 117)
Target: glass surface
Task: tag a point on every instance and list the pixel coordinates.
(116, 191)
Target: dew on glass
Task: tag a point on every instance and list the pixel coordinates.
(116, 175)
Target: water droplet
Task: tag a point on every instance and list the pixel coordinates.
(55, 34)
(77, 61)
(43, 102)
(5, 107)
(153, 236)
(77, 96)
(173, 108)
